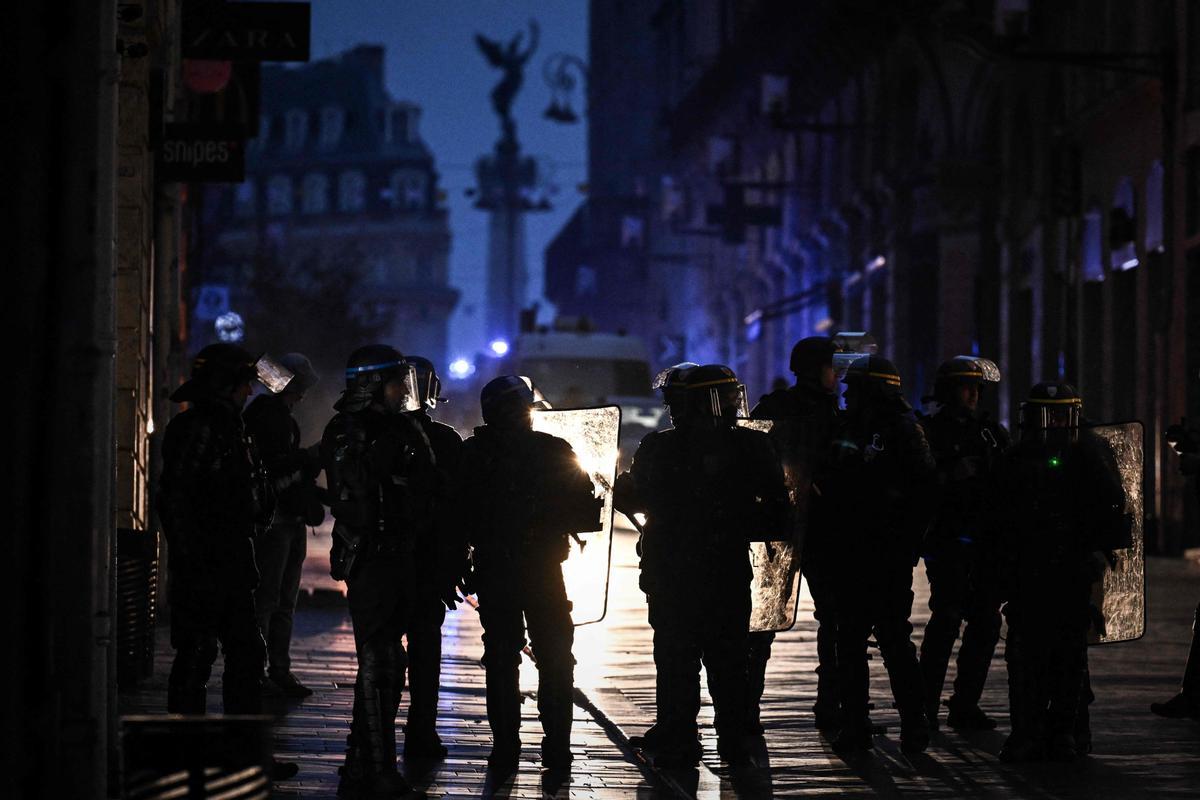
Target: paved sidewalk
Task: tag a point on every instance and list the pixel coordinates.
(1138, 755)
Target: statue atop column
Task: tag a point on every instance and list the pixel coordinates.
(511, 59)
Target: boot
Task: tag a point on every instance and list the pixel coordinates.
(914, 731)
(556, 708)
(1063, 748)
(289, 685)
(854, 737)
(504, 714)
(1186, 704)
(1019, 748)
(969, 718)
(379, 776)
(759, 653)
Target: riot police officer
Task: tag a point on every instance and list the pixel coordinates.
(1064, 509)
(519, 495)
(376, 461)
(437, 570)
(211, 503)
(1186, 703)
(881, 476)
(707, 488)
(959, 552)
(672, 382)
(812, 404)
(282, 547)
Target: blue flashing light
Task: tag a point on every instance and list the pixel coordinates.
(460, 368)
(499, 347)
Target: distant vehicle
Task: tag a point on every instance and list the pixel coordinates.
(576, 368)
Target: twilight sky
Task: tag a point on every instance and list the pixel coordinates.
(432, 60)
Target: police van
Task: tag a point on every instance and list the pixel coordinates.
(576, 367)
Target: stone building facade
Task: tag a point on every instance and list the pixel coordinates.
(1018, 179)
(338, 170)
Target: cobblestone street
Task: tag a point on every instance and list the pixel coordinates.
(1137, 754)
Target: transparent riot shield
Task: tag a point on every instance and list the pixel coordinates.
(1120, 596)
(775, 591)
(593, 434)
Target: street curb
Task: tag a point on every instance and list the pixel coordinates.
(621, 740)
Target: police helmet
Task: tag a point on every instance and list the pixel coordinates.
(811, 354)
(369, 369)
(509, 398)
(961, 370)
(874, 373)
(429, 385)
(715, 392)
(1051, 404)
(216, 369)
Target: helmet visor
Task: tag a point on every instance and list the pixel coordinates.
(539, 402)
(408, 397)
(272, 374)
(987, 369)
(843, 361)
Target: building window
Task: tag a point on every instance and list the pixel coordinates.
(316, 193)
(352, 190)
(279, 196)
(296, 128)
(332, 125)
(408, 190)
(244, 196)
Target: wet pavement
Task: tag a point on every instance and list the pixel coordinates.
(1137, 754)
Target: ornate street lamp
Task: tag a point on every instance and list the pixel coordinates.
(558, 71)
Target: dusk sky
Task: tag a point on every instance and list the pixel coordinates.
(432, 60)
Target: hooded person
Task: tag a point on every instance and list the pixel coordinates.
(378, 464)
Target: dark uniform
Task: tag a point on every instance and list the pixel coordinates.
(519, 495)
(282, 547)
(960, 550)
(210, 504)
(437, 571)
(376, 462)
(881, 476)
(1064, 504)
(706, 490)
(816, 409)
(1186, 444)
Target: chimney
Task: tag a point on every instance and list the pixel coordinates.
(370, 56)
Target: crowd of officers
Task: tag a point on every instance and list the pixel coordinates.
(420, 515)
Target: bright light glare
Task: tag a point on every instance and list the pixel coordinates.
(499, 347)
(461, 368)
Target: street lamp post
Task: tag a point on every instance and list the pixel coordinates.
(558, 72)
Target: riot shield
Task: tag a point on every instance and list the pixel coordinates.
(775, 590)
(593, 434)
(1120, 595)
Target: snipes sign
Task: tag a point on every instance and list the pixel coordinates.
(192, 153)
